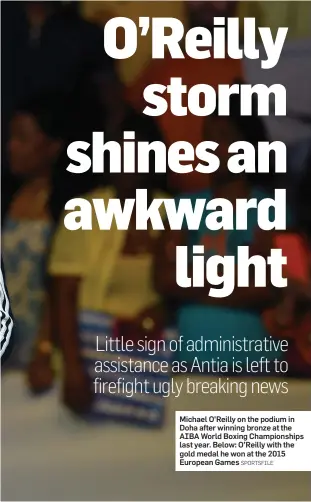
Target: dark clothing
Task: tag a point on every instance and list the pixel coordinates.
(50, 60)
(67, 52)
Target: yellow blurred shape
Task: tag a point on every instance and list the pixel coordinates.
(295, 15)
(130, 68)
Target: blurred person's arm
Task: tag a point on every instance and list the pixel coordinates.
(65, 316)
(67, 267)
(40, 373)
(165, 276)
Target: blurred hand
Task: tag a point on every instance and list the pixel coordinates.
(150, 322)
(296, 302)
(77, 391)
(40, 374)
(299, 289)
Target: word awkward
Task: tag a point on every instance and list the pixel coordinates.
(216, 214)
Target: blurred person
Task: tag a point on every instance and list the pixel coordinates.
(105, 272)
(291, 317)
(300, 362)
(40, 131)
(34, 146)
(192, 71)
(46, 48)
(238, 315)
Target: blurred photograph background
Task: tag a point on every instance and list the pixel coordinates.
(58, 86)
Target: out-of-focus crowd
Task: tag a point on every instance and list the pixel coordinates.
(58, 86)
